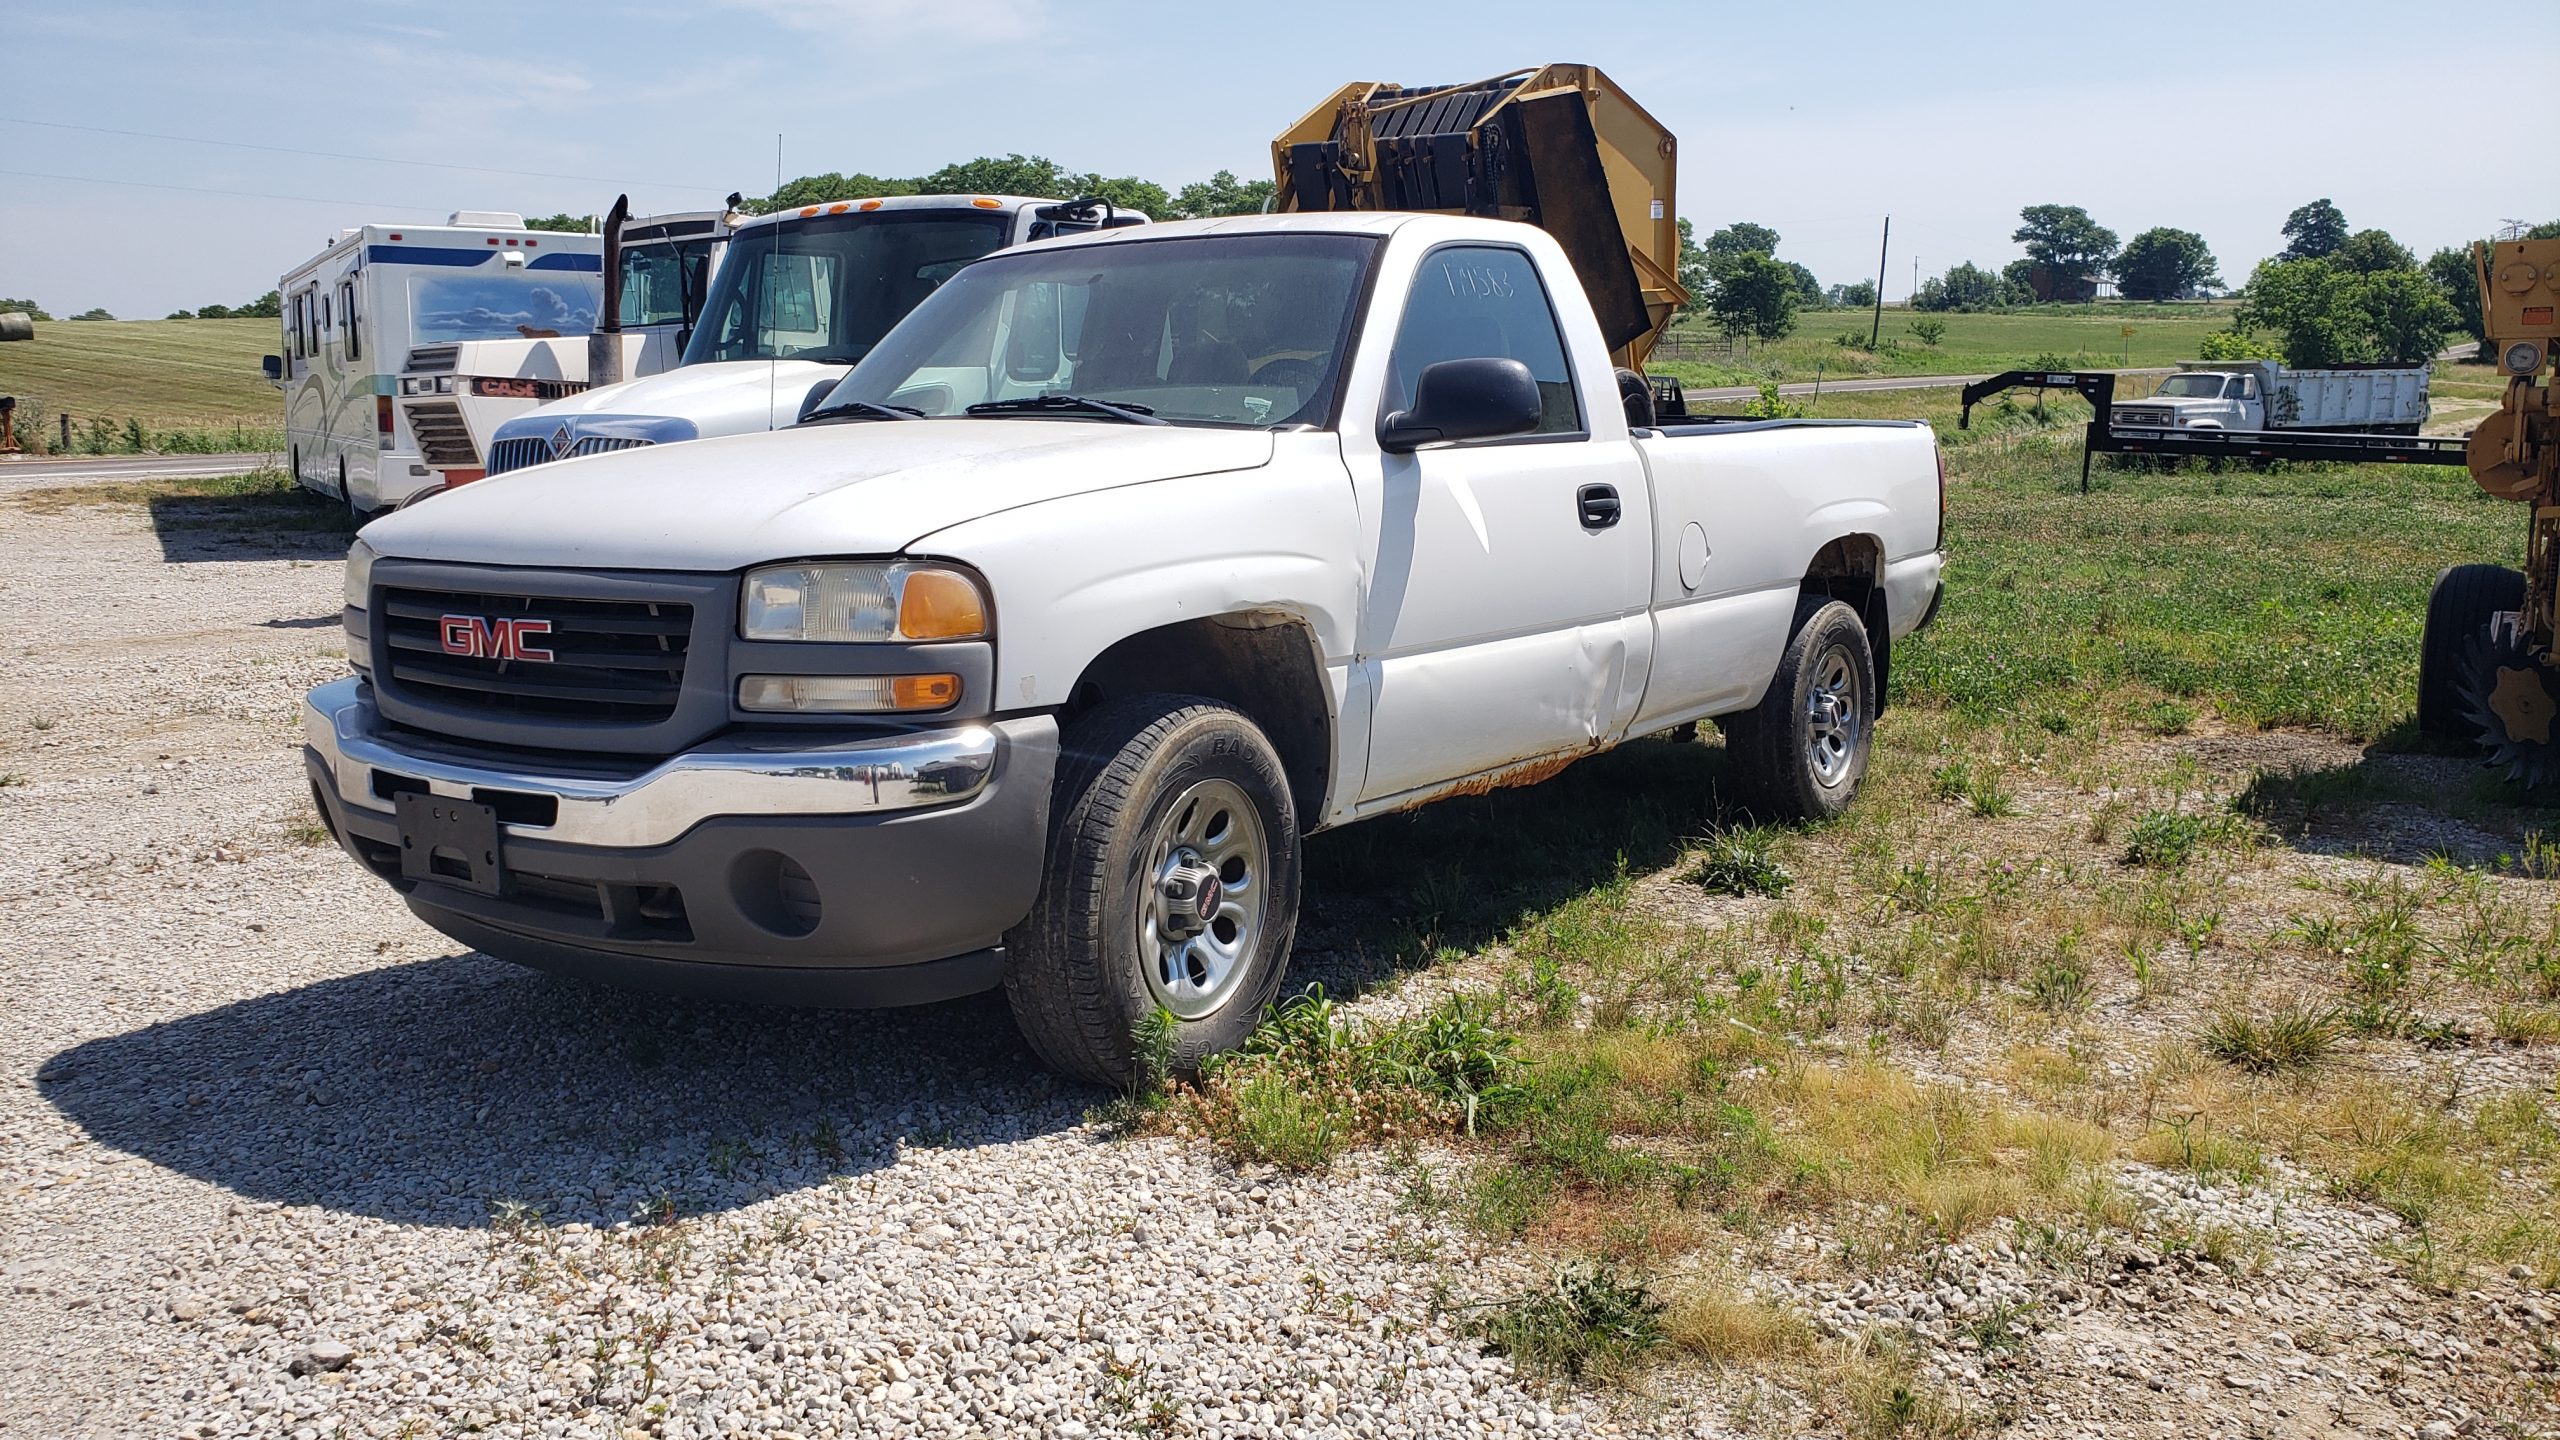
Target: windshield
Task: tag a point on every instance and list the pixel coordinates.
(828, 289)
(1225, 330)
(504, 305)
(2191, 387)
(658, 277)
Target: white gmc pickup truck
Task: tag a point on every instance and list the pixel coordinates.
(1122, 564)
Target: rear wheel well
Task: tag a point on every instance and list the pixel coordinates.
(1266, 664)
(1851, 570)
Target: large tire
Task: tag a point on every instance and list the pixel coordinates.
(1134, 829)
(356, 515)
(1635, 394)
(1800, 753)
(2458, 612)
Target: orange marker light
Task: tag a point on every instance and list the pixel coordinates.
(870, 204)
(808, 210)
(983, 203)
(838, 208)
(941, 605)
(924, 692)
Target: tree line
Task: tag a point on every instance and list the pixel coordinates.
(266, 307)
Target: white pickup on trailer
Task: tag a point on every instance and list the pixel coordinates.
(455, 396)
(354, 313)
(2263, 395)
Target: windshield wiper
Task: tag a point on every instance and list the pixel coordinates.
(862, 410)
(1133, 413)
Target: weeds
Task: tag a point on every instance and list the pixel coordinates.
(1586, 1321)
(1742, 860)
(2168, 839)
(2293, 1037)
(2060, 983)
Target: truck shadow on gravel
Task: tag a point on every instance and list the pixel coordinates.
(193, 529)
(2390, 804)
(1385, 897)
(446, 1091)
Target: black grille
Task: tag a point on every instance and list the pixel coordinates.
(600, 444)
(506, 455)
(618, 661)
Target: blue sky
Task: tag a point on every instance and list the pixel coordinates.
(1814, 118)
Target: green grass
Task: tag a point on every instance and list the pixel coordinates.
(2287, 597)
(168, 375)
(2086, 335)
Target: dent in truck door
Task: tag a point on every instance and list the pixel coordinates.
(1496, 628)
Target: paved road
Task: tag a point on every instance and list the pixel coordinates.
(131, 467)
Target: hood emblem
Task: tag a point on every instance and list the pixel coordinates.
(561, 440)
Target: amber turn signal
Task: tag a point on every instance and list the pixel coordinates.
(941, 605)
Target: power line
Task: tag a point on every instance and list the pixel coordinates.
(342, 155)
(204, 190)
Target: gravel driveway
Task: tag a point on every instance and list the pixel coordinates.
(277, 1159)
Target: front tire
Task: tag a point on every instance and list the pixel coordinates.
(1171, 883)
(1800, 753)
(2458, 612)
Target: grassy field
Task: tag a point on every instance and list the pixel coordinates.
(2128, 886)
(2088, 336)
(198, 378)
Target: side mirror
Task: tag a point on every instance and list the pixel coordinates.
(274, 366)
(1464, 400)
(816, 397)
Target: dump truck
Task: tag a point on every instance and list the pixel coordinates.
(1560, 147)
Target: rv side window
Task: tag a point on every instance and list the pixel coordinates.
(347, 317)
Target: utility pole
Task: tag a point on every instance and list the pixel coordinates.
(1915, 277)
(1876, 332)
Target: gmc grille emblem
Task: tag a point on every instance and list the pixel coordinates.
(500, 637)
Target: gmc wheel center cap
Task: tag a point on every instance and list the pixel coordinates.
(1190, 894)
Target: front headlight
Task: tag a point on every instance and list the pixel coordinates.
(846, 603)
(359, 574)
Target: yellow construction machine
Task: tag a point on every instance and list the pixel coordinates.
(2488, 671)
(1560, 147)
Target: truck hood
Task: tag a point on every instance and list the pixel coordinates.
(730, 397)
(869, 488)
(558, 358)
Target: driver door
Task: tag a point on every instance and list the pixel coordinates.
(1502, 627)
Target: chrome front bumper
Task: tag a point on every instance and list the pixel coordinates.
(657, 805)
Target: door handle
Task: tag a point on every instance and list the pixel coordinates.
(1599, 506)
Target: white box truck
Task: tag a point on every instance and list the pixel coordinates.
(354, 313)
(2263, 395)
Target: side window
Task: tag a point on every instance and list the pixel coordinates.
(347, 317)
(1477, 300)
